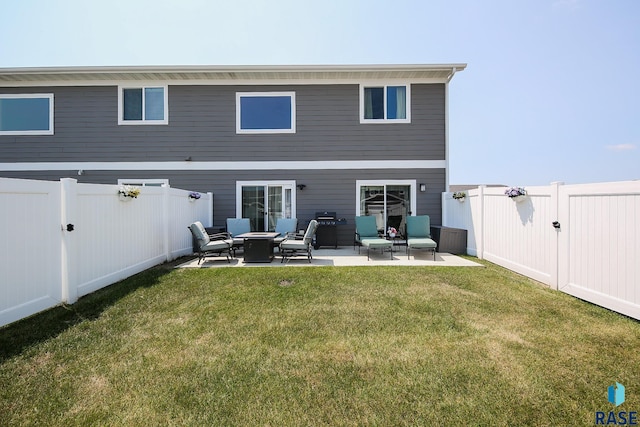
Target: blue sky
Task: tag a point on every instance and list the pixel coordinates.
(551, 91)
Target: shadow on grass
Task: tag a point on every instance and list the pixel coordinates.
(23, 334)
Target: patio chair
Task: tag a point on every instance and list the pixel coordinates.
(286, 227)
(236, 227)
(367, 235)
(293, 246)
(216, 244)
(419, 234)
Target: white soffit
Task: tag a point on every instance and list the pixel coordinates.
(227, 74)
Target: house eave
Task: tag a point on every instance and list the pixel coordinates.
(228, 74)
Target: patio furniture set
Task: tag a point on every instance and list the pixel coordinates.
(256, 246)
(259, 246)
(418, 235)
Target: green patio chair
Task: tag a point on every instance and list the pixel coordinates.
(367, 235)
(419, 234)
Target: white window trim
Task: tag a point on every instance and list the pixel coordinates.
(240, 95)
(142, 122)
(144, 182)
(383, 182)
(385, 120)
(31, 95)
(285, 184)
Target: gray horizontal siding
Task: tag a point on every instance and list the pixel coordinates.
(202, 126)
(325, 190)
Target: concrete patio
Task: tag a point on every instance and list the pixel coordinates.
(343, 257)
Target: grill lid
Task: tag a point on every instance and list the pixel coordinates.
(325, 215)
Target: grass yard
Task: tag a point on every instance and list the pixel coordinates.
(319, 346)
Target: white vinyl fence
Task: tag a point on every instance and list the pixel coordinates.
(592, 251)
(62, 240)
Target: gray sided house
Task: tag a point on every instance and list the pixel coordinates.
(267, 141)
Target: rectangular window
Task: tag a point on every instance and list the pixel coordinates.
(26, 114)
(143, 105)
(265, 112)
(385, 104)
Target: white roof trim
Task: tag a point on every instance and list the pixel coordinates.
(228, 74)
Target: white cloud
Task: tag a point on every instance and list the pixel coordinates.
(621, 147)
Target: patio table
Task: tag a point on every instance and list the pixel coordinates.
(258, 246)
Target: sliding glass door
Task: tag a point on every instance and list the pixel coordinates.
(263, 202)
(389, 202)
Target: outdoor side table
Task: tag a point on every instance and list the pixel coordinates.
(396, 240)
(258, 246)
(449, 239)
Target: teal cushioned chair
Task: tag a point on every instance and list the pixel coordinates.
(419, 234)
(237, 226)
(286, 227)
(367, 235)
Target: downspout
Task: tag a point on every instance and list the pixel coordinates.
(446, 129)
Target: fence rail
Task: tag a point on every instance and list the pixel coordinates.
(591, 252)
(62, 240)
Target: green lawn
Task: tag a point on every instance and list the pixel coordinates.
(319, 346)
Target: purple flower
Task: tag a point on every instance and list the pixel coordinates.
(515, 191)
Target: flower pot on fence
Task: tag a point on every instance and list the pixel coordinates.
(519, 199)
(125, 198)
(461, 199)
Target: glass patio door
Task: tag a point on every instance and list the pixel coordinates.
(390, 203)
(264, 202)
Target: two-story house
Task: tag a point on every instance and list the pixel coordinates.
(267, 141)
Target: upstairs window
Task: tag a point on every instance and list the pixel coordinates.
(385, 104)
(26, 114)
(145, 105)
(265, 112)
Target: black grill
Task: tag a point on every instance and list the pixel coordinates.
(327, 233)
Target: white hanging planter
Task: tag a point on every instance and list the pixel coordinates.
(461, 199)
(125, 198)
(519, 199)
(191, 199)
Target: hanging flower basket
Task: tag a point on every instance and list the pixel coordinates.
(193, 196)
(460, 196)
(518, 194)
(126, 193)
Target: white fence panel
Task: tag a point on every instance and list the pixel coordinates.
(30, 230)
(592, 254)
(600, 245)
(520, 236)
(466, 215)
(45, 263)
(182, 213)
(116, 239)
